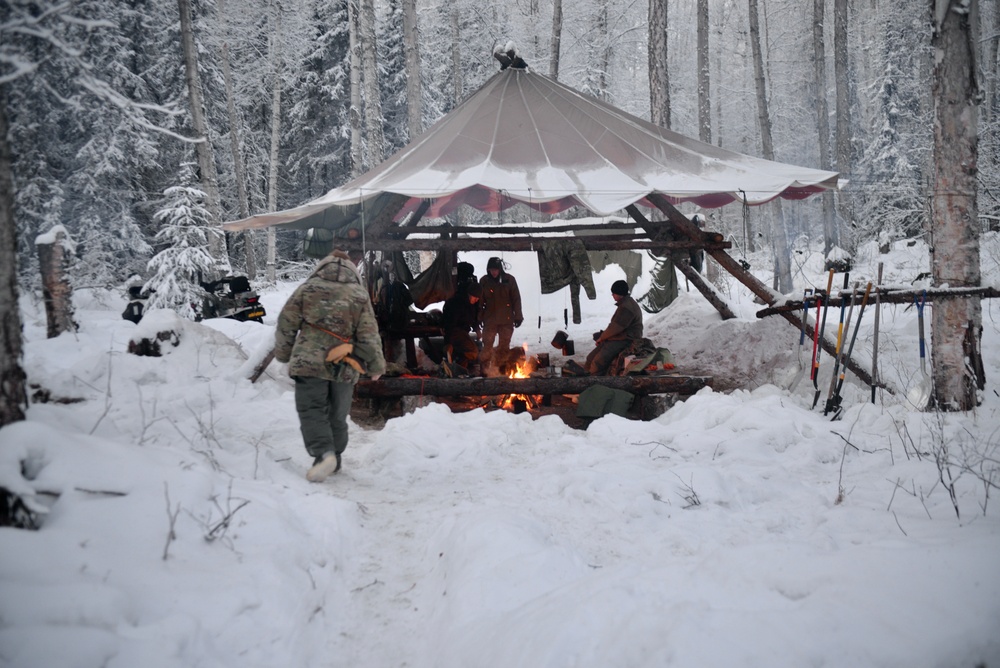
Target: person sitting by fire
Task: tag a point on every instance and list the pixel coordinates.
(459, 317)
(624, 329)
(500, 313)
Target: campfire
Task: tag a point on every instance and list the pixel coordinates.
(521, 402)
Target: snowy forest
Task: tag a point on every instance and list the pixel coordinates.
(105, 102)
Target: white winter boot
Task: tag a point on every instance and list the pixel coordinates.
(323, 467)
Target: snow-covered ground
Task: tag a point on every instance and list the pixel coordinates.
(741, 528)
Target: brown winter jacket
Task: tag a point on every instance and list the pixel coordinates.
(626, 323)
(334, 299)
(501, 302)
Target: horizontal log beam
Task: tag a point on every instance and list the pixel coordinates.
(610, 242)
(888, 296)
(387, 387)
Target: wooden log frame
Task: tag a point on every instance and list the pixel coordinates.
(376, 227)
(704, 287)
(387, 387)
(662, 233)
(662, 238)
(684, 226)
(888, 296)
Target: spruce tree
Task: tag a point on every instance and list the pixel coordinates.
(185, 234)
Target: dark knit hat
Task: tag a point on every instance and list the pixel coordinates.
(619, 287)
(494, 263)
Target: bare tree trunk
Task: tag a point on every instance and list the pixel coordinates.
(704, 89)
(557, 20)
(272, 177)
(13, 397)
(705, 107)
(206, 158)
(843, 104)
(374, 120)
(411, 41)
(831, 236)
(353, 11)
(56, 288)
(239, 172)
(779, 238)
(533, 18)
(991, 104)
(604, 37)
(659, 76)
(457, 77)
(956, 329)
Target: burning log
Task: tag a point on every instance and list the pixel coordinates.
(457, 387)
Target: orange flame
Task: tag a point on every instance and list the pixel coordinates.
(523, 370)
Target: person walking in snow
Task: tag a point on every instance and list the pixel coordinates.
(500, 313)
(328, 335)
(624, 329)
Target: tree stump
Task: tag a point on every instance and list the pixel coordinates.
(54, 251)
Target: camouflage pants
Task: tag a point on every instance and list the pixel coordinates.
(323, 406)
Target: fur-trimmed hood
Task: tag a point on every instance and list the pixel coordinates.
(338, 268)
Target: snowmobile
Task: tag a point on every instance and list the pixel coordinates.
(137, 298)
(231, 297)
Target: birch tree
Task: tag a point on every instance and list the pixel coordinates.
(956, 329)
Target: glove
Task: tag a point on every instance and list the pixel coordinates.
(339, 352)
(517, 323)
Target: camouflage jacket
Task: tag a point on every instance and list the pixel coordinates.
(334, 299)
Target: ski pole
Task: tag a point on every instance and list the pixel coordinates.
(817, 350)
(802, 336)
(840, 333)
(850, 348)
(875, 335)
(920, 324)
